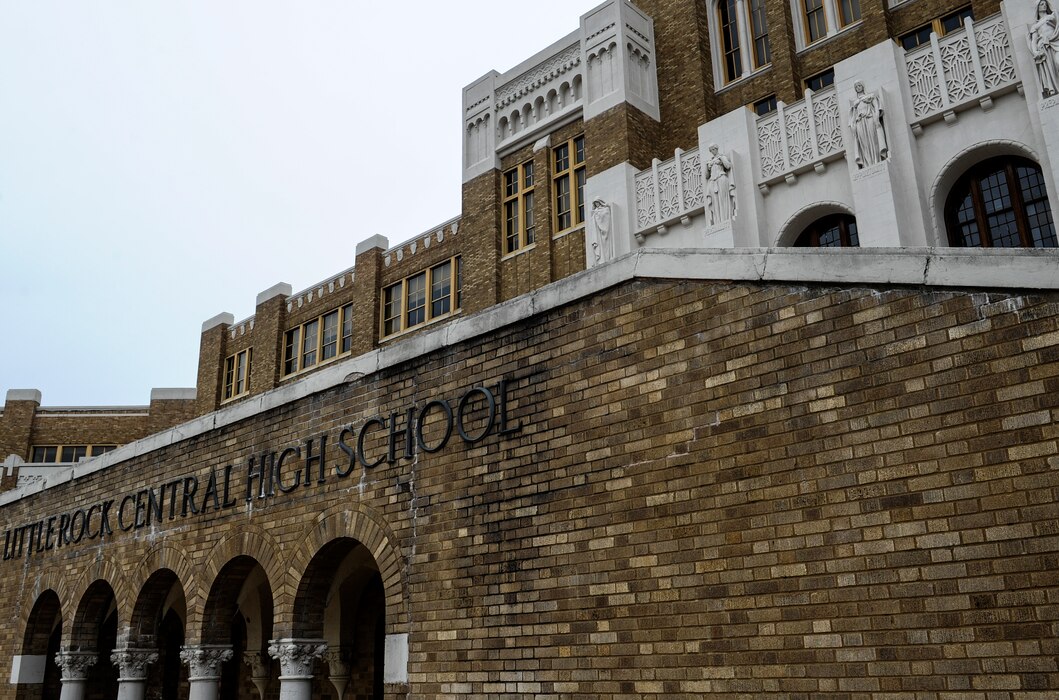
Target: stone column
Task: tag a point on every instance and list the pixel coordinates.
(204, 669)
(259, 670)
(132, 671)
(74, 665)
(338, 669)
(296, 658)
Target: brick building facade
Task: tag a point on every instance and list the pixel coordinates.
(618, 430)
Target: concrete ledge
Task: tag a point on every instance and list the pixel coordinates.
(222, 319)
(375, 241)
(24, 395)
(925, 267)
(173, 394)
(280, 289)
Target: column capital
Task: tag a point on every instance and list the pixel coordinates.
(132, 663)
(204, 661)
(258, 663)
(296, 656)
(75, 664)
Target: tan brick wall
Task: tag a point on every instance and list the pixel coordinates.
(719, 489)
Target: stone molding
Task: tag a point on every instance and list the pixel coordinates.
(75, 664)
(296, 656)
(204, 661)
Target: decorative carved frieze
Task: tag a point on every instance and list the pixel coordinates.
(75, 664)
(132, 663)
(296, 656)
(204, 662)
(538, 76)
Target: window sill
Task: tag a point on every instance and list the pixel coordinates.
(518, 252)
(321, 363)
(720, 88)
(829, 38)
(419, 326)
(232, 399)
(567, 232)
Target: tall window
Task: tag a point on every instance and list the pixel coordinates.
(318, 340)
(568, 183)
(518, 207)
(742, 23)
(424, 296)
(1000, 203)
(823, 18)
(815, 20)
(237, 374)
(834, 231)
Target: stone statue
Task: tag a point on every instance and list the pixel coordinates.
(720, 190)
(1044, 43)
(866, 123)
(603, 246)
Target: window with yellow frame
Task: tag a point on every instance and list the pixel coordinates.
(519, 226)
(319, 340)
(823, 18)
(939, 25)
(425, 296)
(237, 374)
(568, 184)
(66, 454)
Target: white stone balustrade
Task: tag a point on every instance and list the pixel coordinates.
(669, 191)
(799, 136)
(966, 67)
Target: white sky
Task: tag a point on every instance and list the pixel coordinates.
(162, 162)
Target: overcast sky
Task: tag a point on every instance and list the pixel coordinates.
(163, 162)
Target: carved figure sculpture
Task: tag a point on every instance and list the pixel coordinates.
(720, 190)
(1044, 43)
(866, 123)
(603, 246)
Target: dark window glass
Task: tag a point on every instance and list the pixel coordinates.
(391, 309)
(733, 62)
(290, 352)
(440, 289)
(347, 328)
(821, 80)
(72, 453)
(833, 231)
(759, 33)
(416, 300)
(309, 341)
(102, 449)
(44, 455)
(765, 106)
(329, 341)
(1001, 203)
(815, 21)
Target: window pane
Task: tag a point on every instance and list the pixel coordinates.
(580, 174)
(391, 310)
(229, 377)
(759, 32)
(528, 199)
(309, 343)
(43, 455)
(416, 300)
(815, 22)
(240, 372)
(562, 158)
(579, 148)
(562, 203)
(511, 183)
(329, 346)
(440, 289)
(290, 352)
(459, 283)
(733, 62)
(72, 453)
(102, 449)
(527, 177)
(954, 21)
(850, 10)
(511, 240)
(347, 328)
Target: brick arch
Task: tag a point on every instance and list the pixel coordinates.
(250, 541)
(956, 166)
(365, 525)
(36, 628)
(146, 614)
(106, 570)
(48, 579)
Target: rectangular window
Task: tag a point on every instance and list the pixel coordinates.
(329, 340)
(423, 297)
(66, 454)
(73, 453)
(518, 207)
(237, 374)
(101, 449)
(939, 25)
(727, 14)
(759, 33)
(44, 454)
(765, 106)
(290, 352)
(568, 183)
(848, 11)
(821, 80)
(815, 20)
(318, 340)
(347, 328)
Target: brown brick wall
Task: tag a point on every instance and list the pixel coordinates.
(719, 489)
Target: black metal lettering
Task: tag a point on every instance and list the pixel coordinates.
(297, 452)
(319, 459)
(465, 400)
(121, 512)
(191, 485)
(350, 452)
(50, 530)
(447, 411)
(501, 390)
(381, 422)
(226, 502)
(104, 519)
(211, 493)
(77, 532)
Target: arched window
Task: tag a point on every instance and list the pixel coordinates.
(833, 231)
(1000, 203)
(744, 38)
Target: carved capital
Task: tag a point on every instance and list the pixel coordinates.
(337, 662)
(132, 663)
(75, 664)
(296, 656)
(204, 661)
(258, 663)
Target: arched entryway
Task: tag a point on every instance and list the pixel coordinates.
(95, 629)
(157, 626)
(341, 603)
(38, 674)
(237, 627)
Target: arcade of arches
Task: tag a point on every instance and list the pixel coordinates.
(241, 642)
